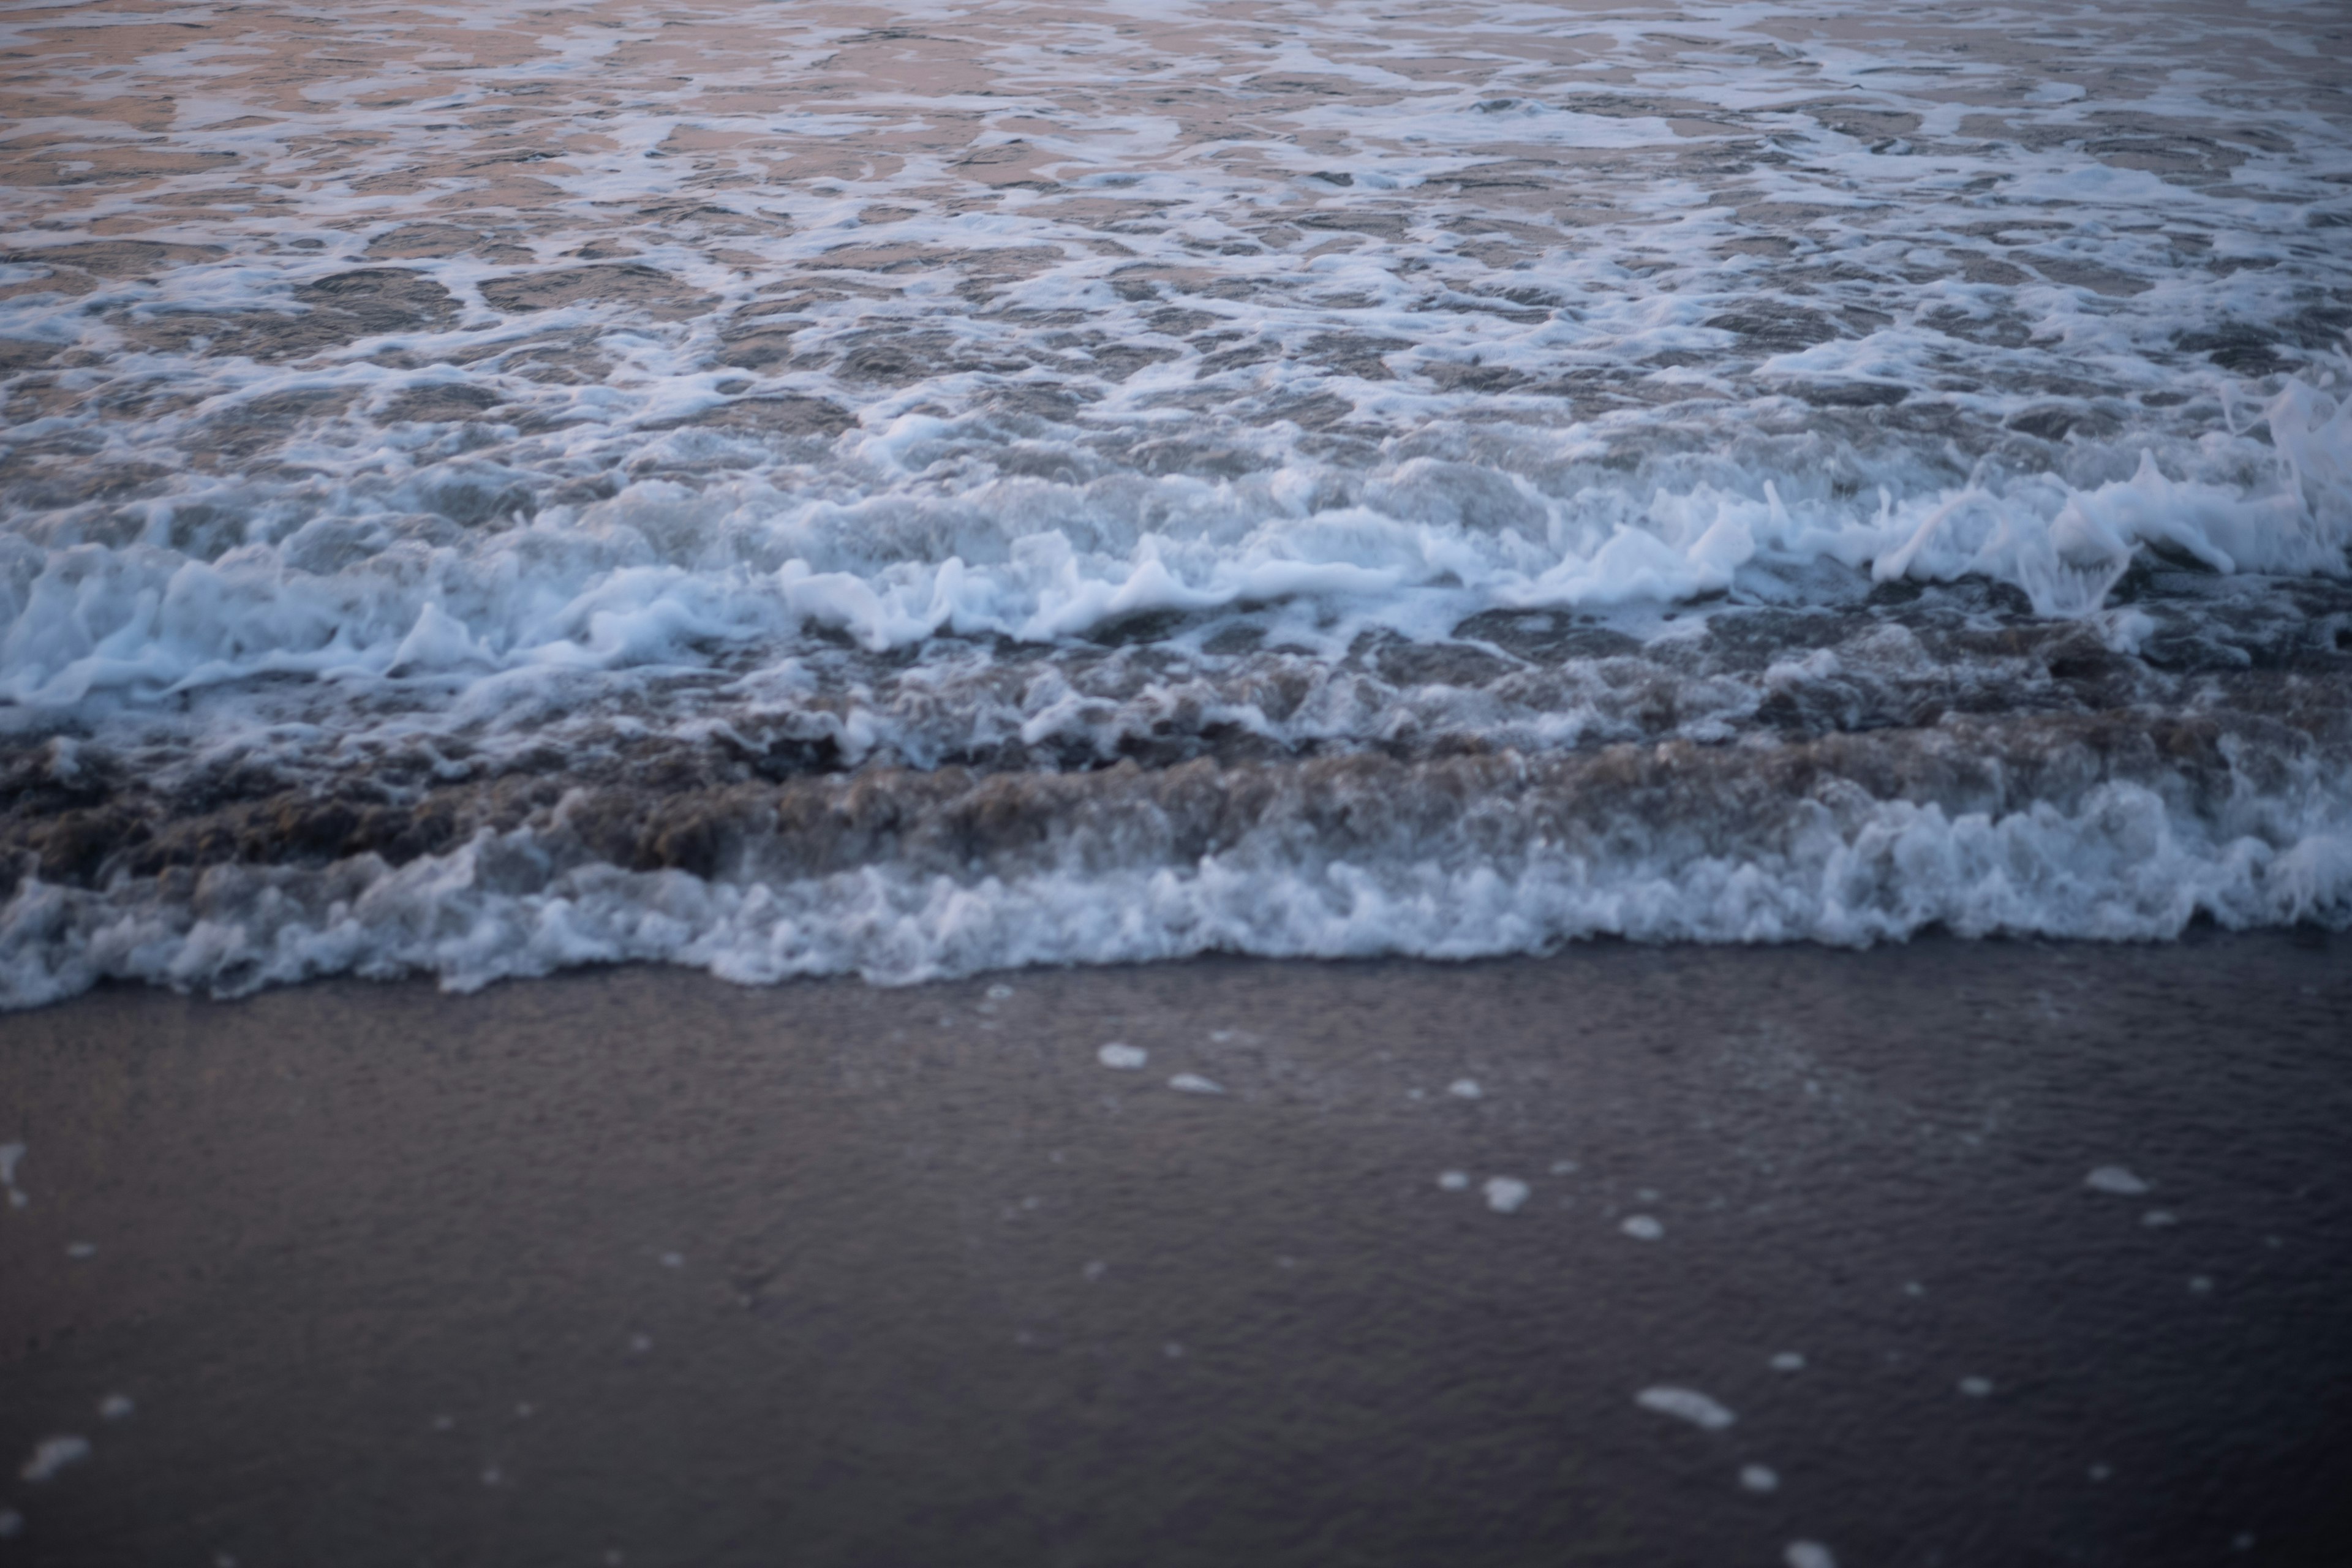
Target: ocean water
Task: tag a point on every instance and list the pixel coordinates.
(810, 488)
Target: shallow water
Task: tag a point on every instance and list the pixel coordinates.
(796, 489)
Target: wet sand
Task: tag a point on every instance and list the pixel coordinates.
(631, 1265)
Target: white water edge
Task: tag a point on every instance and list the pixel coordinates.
(2121, 869)
(484, 417)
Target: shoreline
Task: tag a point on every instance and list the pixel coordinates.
(633, 1261)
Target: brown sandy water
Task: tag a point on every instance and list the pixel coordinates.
(633, 1263)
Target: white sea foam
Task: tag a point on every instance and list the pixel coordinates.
(649, 577)
(1505, 1194)
(2122, 867)
(1686, 1404)
(2117, 1181)
(51, 1454)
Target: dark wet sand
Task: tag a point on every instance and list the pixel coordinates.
(636, 1262)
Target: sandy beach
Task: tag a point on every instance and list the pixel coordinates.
(632, 1265)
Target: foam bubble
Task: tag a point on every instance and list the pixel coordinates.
(1686, 1404)
(1504, 1194)
(51, 1454)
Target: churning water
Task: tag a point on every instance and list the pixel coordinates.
(796, 487)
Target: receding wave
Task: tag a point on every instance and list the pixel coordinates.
(1010, 487)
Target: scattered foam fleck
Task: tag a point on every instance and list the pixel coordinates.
(1118, 1054)
(1686, 1404)
(1454, 1181)
(2200, 1283)
(1193, 1083)
(2156, 1219)
(673, 1260)
(1788, 1360)
(1808, 1554)
(1758, 1479)
(79, 1249)
(2115, 1179)
(115, 1407)
(51, 1454)
(1642, 1227)
(1464, 1089)
(999, 993)
(1506, 1194)
(1976, 1388)
(2100, 1472)
(9, 1154)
